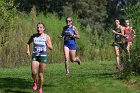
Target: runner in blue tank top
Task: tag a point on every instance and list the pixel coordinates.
(39, 57)
(70, 33)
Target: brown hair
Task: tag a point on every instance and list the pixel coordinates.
(42, 24)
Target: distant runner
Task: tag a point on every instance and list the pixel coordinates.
(70, 33)
(118, 43)
(129, 33)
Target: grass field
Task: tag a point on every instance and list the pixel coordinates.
(89, 77)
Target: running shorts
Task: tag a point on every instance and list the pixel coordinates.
(41, 59)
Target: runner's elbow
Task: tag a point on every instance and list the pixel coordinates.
(78, 37)
(51, 48)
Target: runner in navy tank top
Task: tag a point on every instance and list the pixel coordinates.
(70, 33)
(118, 44)
(39, 57)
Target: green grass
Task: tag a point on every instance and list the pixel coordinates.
(89, 77)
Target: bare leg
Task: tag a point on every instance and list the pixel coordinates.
(34, 68)
(73, 57)
(128, 48)
(66, 54)
(117, 52)
(42, 67)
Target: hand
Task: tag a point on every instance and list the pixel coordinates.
(71, 34)
(134, 36)
(114, 31)
(28, 53)
(59, 36)
(125, 35)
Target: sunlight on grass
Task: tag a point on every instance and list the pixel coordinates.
(89, 77)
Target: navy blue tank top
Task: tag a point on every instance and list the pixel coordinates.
(118, 38)
(67, 38)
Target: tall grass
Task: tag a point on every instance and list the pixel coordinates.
(13, 49)
(136, 45)
(13, 41)
(133, 65)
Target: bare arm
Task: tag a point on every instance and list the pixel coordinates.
(122, 31)
(49, 42)
(62, 34)
(116, 32)
(28, 46)
(76, 35)
(134, 33)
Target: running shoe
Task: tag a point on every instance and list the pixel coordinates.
(67, 75)
(78, 60)
(34, 87)
(40, 91)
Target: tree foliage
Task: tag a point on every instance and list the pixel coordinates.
(119, 9)
(92, 12)
(98, 14)
(7, 13)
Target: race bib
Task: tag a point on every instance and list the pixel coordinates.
(39, 49)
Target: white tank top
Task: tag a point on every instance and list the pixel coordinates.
(40, 46)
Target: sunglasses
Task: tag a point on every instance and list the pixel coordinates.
(68, 20)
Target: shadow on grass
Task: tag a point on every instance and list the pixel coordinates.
(14, 91)
(8, 84)
(94, 75)
(17, 85)
(102, 70)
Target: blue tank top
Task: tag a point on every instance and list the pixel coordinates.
(67, 38)
(39, 46)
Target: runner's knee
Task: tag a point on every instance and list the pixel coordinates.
(66, 59)
(72, 59)
(40, 75)
(34, 72)
(117, 55)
